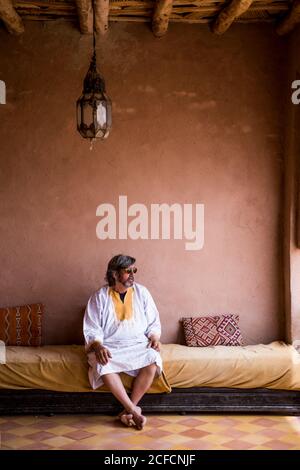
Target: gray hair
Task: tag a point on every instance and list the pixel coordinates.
(117, 263)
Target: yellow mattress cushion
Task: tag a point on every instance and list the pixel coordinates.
(58, 368)
(275, 365)
(65, 368)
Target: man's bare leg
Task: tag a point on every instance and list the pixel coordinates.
(141, 385)
(142, 382)
(115, 385)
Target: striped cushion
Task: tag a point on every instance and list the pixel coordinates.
(21, 326)
(212, 331)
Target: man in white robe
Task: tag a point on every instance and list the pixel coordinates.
(122, 331)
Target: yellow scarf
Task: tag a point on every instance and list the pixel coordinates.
(124, 310)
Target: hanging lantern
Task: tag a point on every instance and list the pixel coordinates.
(94, 106)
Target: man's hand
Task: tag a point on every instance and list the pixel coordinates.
(101, 352)
(154, 342)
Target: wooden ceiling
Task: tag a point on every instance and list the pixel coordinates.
(285, 14)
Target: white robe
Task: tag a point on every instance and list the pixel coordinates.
(126, 340)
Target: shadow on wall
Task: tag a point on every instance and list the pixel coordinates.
(78, 327)
(70, 333)
(180, 339)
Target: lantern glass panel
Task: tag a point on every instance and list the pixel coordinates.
(87, 113)
(101, 114)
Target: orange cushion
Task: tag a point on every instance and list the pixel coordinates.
(21, 326)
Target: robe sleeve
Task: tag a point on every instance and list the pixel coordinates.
(92, 330)
(152, 315)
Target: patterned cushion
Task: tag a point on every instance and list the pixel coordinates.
(212, 331)
(21, 326)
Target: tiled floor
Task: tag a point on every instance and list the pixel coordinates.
(161, 432)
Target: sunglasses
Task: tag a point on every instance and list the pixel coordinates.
(130, 270)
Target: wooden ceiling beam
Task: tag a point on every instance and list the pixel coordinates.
(85, 15)
(290, 20)
(10, 17)
(161, 16)
(227, 16)
(101, 16)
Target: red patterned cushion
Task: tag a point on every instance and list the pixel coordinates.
(212, 331)
(21, 326)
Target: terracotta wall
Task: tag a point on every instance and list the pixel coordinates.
(292, 197)
(196, 119)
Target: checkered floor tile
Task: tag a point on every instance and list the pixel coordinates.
(165, 432)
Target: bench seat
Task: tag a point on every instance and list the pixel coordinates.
(216, 379)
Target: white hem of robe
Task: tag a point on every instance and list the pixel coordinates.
(96, 370)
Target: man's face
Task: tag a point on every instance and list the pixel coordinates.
(126, 276)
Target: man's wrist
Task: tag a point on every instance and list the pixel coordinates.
(95, 345)
(154, 336)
